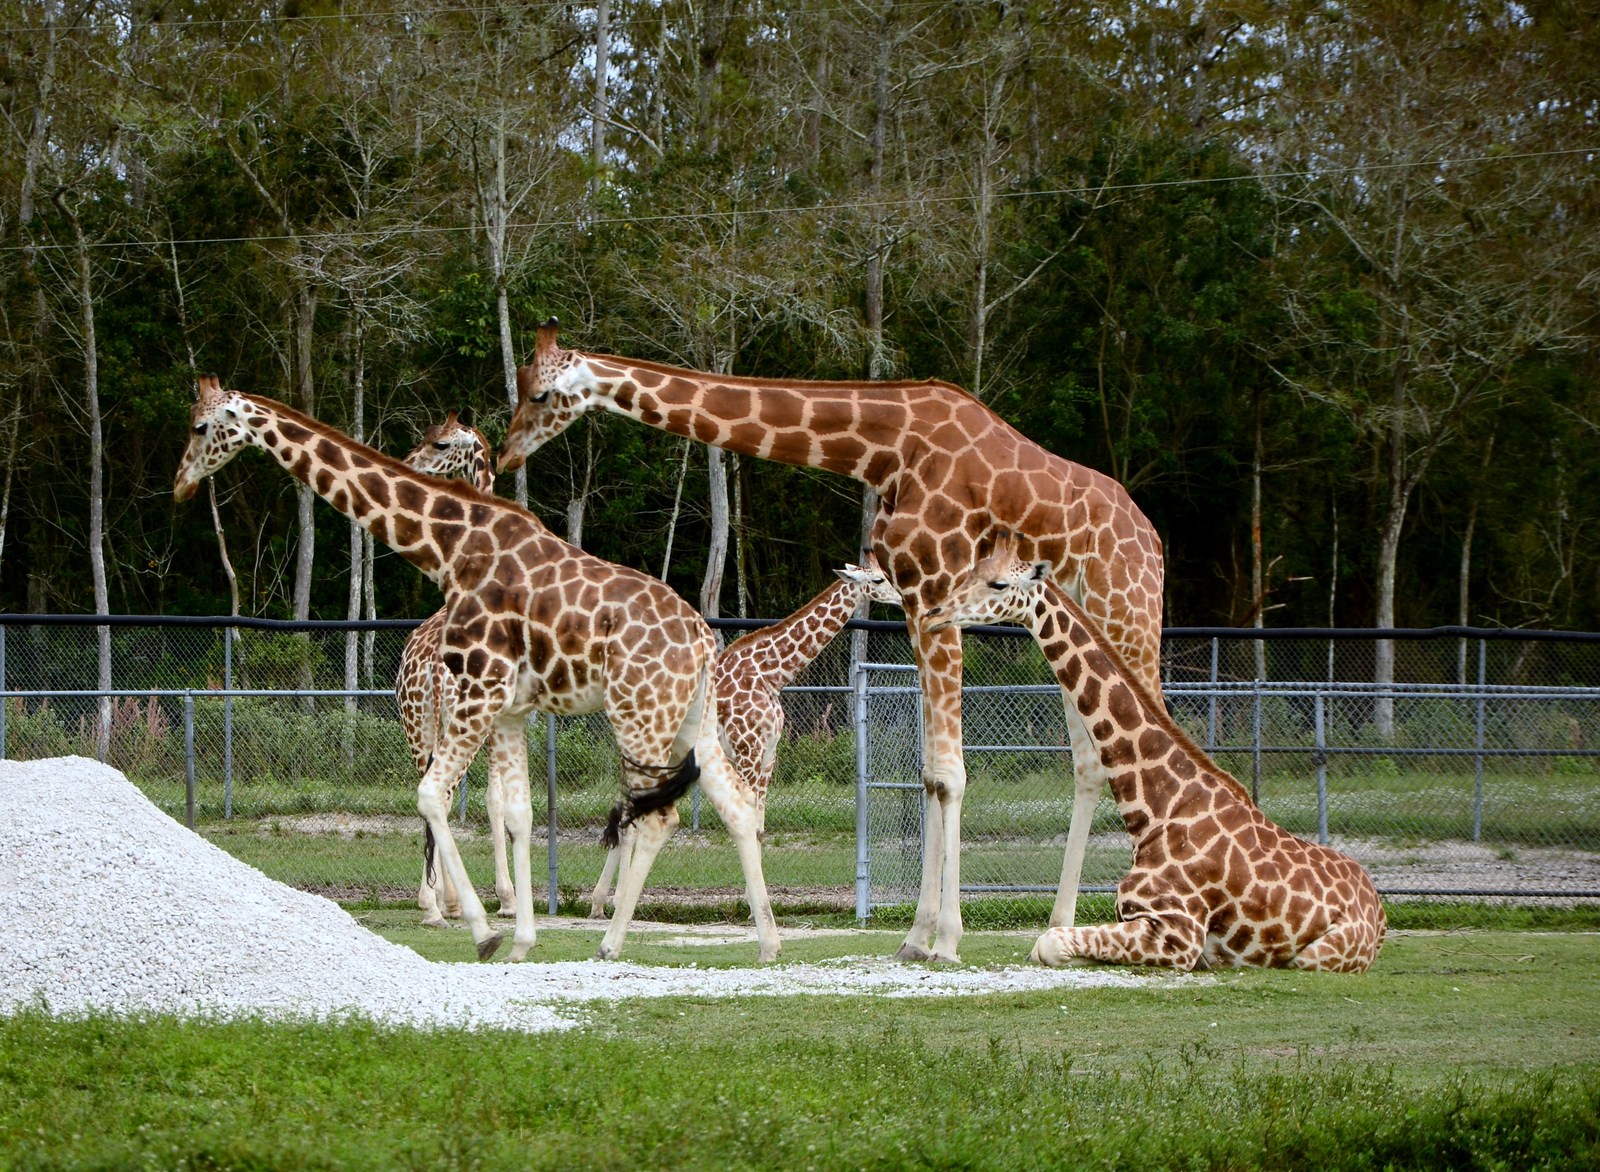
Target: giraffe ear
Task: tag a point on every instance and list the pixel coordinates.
(450, 418)
(1041, 571)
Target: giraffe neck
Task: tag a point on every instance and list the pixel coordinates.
(857, 429)
(1138, 742)
(423, 519)
(787, 646)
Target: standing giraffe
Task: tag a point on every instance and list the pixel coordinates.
(749, 676)
(451, 448)
(1214, 882)
(948, 472)
(534, 624)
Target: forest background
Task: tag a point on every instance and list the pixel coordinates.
(1317, 281)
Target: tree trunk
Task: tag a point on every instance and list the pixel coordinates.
(13, 432)
(1466, 564)
(97, 541)
(1257, 568)
(717, 551)
(597, 117)
(741, 586)
(352, 640)
(677, 504)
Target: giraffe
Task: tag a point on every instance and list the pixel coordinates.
(948, 472)
(1214, 882)
(749, 676)
(534, 624)
(451, 448)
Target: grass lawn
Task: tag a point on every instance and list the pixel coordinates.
(1459, 1050)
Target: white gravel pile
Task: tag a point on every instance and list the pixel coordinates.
(107, 903)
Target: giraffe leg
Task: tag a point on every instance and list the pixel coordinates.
(740, 812)
(450, 758)
(1350, 946)
(1089, 780)
(649, 834)
(616, 867)
(494, 800)
(918, 944)
(936, 927)
(510, 760)
(1170, 941)
(438, 899)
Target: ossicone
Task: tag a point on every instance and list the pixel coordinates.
(545, 339)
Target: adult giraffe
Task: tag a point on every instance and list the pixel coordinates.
(534, 624)
(949, 473)
(453, 448)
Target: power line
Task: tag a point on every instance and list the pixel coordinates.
(844, 206)
(437, 13)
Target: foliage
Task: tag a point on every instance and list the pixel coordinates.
(1199, 223)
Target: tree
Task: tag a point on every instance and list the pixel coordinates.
(1413, 178)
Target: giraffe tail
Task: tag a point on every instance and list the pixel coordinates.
(672, 782)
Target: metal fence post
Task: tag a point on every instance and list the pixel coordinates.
(1321, 758)
(863, 859)
(228, 634)
(550, 800)
(1255, 743)
(188, 757)
(4, 703)
(1211, 717)
(1478, 738)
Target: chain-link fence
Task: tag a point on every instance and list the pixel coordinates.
(1472, 778)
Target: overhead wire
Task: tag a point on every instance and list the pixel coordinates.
(804, 209)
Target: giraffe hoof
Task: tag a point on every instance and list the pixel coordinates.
(489, 945)
(606, 953)
(911, 952)
(434, 922)
(944, 958)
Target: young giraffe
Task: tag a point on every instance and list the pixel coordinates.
(948, 471)
(749, 676)
(451, 448)
(1214, 882)
(534, 624)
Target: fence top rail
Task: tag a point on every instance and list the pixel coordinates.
(1244, 634)
(196, 693)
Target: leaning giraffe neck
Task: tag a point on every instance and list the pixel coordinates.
(427, 521)
(791, 643)
(856, 429)
(1127, 724)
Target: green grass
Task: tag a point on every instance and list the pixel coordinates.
(1465, 1050)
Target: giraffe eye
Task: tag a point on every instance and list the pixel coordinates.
(200, 428)
(541, 396)
(997, 585)
(441, 444)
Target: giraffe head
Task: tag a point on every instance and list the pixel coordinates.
(451, 448)
(553, 390)
(1002, 587)
(874, 583)
(217, 430)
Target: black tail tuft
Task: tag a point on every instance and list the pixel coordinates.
(667, 790)
(612, 834)
(427, 851)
